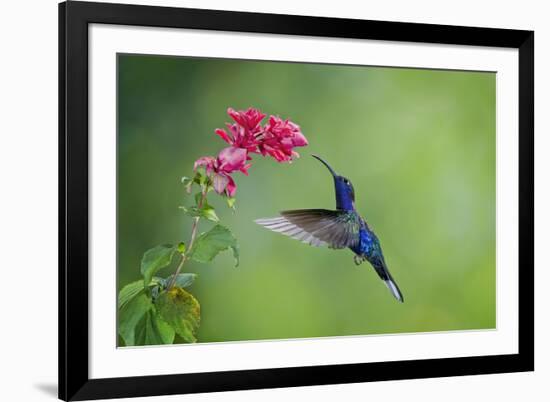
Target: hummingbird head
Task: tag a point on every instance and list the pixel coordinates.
(345, 194)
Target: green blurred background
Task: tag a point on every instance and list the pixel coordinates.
(418, 145)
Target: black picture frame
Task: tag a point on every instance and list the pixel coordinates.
(74, 381)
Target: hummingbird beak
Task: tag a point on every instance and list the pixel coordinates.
(326, 164)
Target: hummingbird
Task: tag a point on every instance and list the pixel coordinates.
(338, 229)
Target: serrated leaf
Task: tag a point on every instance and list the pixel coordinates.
(155, 259)
(131, 314)
(208, 245)
(153, 330)
(182, 280)
(181, 311)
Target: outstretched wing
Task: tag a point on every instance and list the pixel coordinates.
(317, 227)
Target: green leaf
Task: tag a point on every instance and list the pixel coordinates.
(198, 197)
(182, 280)
(155, 259)
(202, 179)
(199, 178)
(128, 292)
(155, 290)
(181, 310)
(207, 211)
(187, 183)
(131, 290)
(131, 314)
(153, 330)
(231, 202)
(191, 211)
(208, 245)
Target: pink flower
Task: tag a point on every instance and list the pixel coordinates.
(224, 183)
(279, 139)
(208, 162)
(244, 132)
(229, 160)
(249, 119)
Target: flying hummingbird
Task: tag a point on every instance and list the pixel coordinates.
(342, 228)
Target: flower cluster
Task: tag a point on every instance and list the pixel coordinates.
(277, 138)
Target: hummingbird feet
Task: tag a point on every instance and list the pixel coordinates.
(358, 259)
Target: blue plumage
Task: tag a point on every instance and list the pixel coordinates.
(366, 243)
(342, 228)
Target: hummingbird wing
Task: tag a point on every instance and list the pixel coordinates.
(317, 227)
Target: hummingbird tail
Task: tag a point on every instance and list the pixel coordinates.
(384, 274)
(392, 286)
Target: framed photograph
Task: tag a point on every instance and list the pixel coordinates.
(257, 201)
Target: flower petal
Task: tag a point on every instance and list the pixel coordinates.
(245, 168)
(280, 138)
(231, 159)
(222, 133)
(207, 162)
(249, 119)
(220, 181)
(231, 187)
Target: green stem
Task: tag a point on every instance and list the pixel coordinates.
(194, 228)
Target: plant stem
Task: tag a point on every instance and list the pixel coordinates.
(191, 241)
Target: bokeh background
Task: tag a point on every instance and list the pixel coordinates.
(418, 145)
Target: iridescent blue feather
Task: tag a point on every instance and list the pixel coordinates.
(341, 228)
